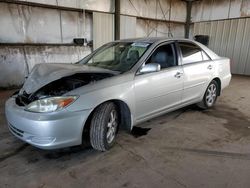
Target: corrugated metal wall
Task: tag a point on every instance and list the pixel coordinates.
(103, 29)
(206, 10)
(148, 28)
(28, 24)
(173, 10)
(42, 31)
(229, 38)
(98, 5)
(127, 27)
(16, 61)
(30, 35)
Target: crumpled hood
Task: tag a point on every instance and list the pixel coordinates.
(43, 74)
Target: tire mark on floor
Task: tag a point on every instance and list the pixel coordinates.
(11, 153)
(244, 156)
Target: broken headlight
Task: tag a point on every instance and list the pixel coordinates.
(50, 104)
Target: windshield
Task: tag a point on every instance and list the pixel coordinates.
(117, 56)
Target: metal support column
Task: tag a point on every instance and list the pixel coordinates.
(117, 19)
(188, 19)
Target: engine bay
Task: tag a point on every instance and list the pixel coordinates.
(61, 86)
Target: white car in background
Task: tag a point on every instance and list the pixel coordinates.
(119, 85)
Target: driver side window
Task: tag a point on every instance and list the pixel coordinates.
(164, 56)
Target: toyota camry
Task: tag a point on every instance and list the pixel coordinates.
(119, 85)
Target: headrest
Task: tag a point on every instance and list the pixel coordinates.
(160, 58)
(134, 54)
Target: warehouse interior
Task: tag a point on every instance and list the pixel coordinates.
(188, 147)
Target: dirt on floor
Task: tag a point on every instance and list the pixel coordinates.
(185, 148)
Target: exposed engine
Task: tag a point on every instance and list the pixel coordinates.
(61, 86)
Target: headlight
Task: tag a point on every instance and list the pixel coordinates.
(50, 104)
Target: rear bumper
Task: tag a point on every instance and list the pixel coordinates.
(46, 130)
(225, 81)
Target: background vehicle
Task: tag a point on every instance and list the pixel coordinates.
(119, 85)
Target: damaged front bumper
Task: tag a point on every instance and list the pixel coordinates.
(46, 130)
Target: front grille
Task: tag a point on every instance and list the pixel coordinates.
(16, 131)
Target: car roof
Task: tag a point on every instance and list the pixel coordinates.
(158, 40)
(153, 39)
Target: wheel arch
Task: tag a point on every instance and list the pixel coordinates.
(217, 79)
(124, 114)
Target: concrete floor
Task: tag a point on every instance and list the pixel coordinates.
(186, 148)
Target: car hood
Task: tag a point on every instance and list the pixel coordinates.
(43, 74)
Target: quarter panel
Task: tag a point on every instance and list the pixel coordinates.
(196, 78)
(223, 71)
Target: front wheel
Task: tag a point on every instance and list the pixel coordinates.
(104, 125)
(210, 96)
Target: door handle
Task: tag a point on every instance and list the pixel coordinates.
(178, 75)
(209, 67)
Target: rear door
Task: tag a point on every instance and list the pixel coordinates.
(158, 91)
(198, 70)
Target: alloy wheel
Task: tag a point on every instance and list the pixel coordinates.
(112, 126)
(211, 94)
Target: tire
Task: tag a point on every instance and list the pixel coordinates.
(104, 126)
(210, 96)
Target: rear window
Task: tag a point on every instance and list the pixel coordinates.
(192, 53)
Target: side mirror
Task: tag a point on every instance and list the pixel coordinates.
(151, 67)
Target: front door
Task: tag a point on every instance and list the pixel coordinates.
(156, 92)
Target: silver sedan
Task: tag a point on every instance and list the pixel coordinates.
(119, 85)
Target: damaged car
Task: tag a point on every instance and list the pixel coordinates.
(119, 85)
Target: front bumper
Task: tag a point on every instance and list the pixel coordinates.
(46, 130)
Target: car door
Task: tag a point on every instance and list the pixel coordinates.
(157, 91)
(197, 68)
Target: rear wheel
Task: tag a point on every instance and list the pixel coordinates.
(210, 96)
(104, 126)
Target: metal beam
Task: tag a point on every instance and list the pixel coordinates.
(188, 19)
(36, 44)
(117, 19)
(154, 19)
